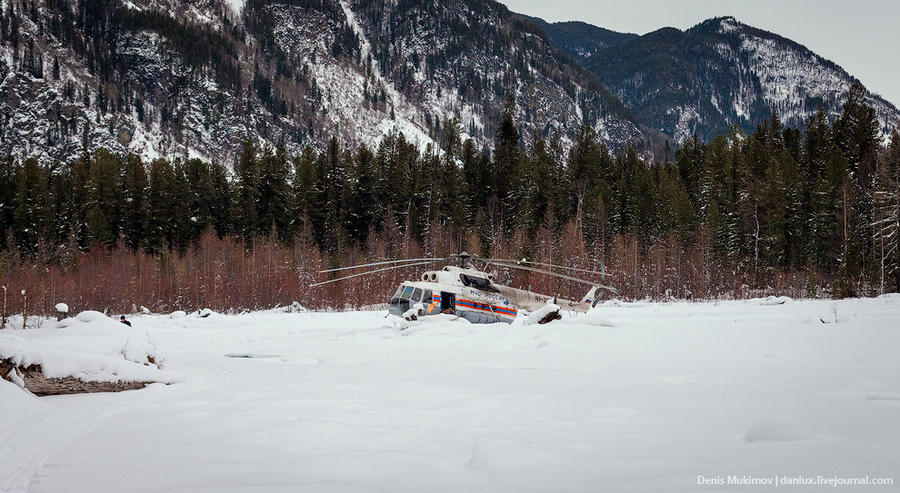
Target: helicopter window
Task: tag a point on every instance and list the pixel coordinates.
(477, 283)
(427, 296)
(399, 292)
(417, 295)
(407, 291)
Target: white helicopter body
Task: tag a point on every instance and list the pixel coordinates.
(471, 293)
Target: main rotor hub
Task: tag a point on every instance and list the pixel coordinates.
(465, 260)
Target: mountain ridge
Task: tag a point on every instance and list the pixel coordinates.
(720, 73)
(198, 78)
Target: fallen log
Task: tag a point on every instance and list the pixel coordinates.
(39, 385)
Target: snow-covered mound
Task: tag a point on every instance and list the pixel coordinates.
(90, 347)
(536, 316)
(203, 313)
(774, 300)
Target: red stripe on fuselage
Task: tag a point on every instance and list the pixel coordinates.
(486, 307)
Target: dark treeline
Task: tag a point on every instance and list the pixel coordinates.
(815, 210)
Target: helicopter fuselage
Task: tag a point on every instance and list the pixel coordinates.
(471, 294)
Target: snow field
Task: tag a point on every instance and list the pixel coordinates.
(630, 397)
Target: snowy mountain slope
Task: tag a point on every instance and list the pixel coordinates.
(80, 76)
(195, 78)
(463, 57)
(722, 73)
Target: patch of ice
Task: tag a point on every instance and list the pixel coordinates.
(780, 429)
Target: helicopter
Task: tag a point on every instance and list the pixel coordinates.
(473, 294)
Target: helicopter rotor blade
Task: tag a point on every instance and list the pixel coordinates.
(358, 274)
(386, 262)
(544, 264)
(556, 274)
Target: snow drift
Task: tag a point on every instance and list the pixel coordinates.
(90, 347)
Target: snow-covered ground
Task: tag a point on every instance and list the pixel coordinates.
(629, 398)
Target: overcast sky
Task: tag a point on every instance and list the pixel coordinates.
(862, 36)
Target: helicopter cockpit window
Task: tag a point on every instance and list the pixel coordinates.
(417, 295)
(407, 292)
(399, 292)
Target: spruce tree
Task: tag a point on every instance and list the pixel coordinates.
(63, 215)
(451, 212)
(362, 207)
(538, 186)
(199, 198)
(30, 219)
(134, 194)
(474, 174)
(303, 189)
(886, 223)
(220, 200)
(589, 162)
(856, 135)
(8, 192)
(247, 192)
(80, 191)
(181, 222)
(332, 192)
(160, 207)
(506, 164)
(104, 197)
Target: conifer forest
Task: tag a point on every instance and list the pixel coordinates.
(807, 213)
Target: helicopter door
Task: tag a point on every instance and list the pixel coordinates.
(448, 302)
